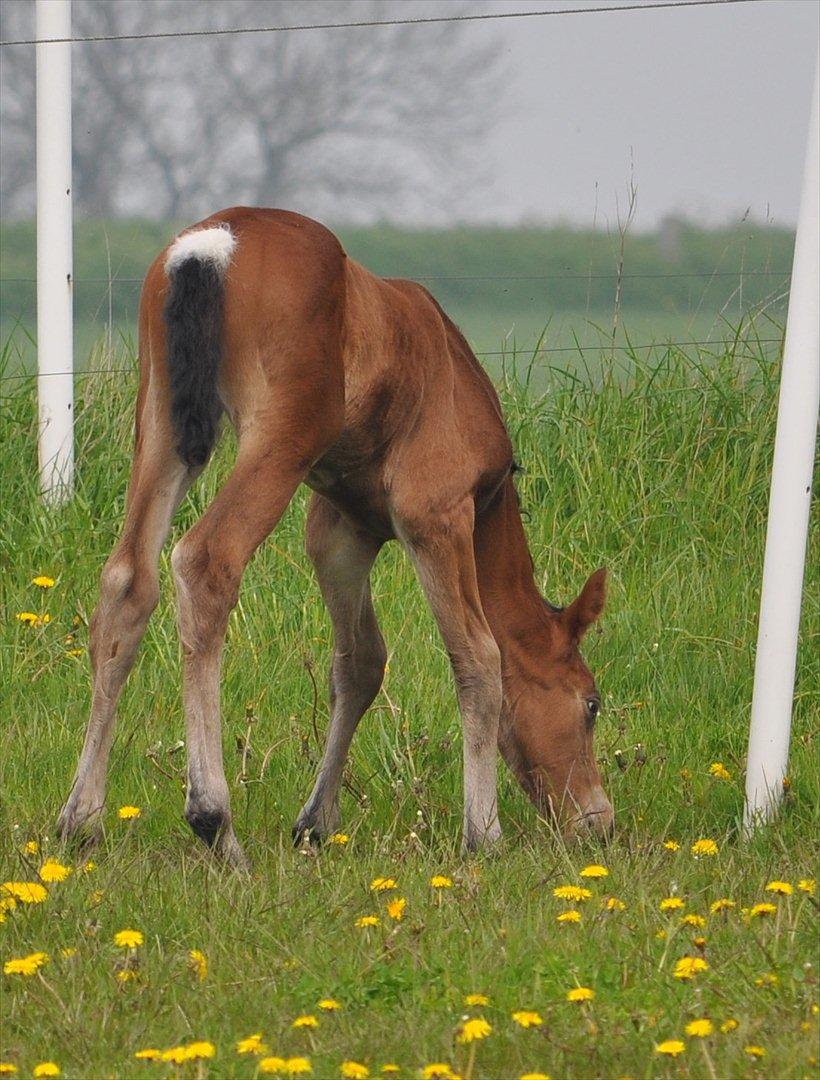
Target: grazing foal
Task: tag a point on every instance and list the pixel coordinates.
(363, 389)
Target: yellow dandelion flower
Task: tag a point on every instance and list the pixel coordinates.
(7, 1069)
(527, 1018)
(199, 1050)
(690, 966)
(28, 618)
(25, 965)
(127, 975)
(670, 1047)
(7, 903)
(31, 847)
(759, 910)
(149, 1054)
(88, 867)
(660, 935)
(671, 903)
(613, 903)
(474, 1030)
(475, 1000)
(533, 1076)
(580, 993)
(46, 1068)
(43, 581)
(782, 888)
(27, 892)
(807, 885)
(671, 845)
(330, 1005)
(199, 963)
(382, 884)
(571, 916)
(308, 1021)
(389, 1068)
(594, 871)
(438, 1070)
(252, 1045)
(704, 847)
(699, 1029)
(339, 838)
(395, 909)
(367, 920)
(273, 1065)
(719, 771)
(697, 921)
(51, 871)
(575, 893)
(728, 1026)
(298, 1066)
(441, 881)
(768, 978)
(177, 1055)
(95, 897)
(128, 813)
(354, 1070)
(129, 939)
(721, 905)
(700, 942)
(754, 1051)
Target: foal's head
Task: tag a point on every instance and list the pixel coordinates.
(551, 705)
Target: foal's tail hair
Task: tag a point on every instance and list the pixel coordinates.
(196, 265)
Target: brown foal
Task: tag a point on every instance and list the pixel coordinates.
(363, 389)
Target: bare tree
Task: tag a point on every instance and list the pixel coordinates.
(353, 123)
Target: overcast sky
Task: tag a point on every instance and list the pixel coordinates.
(711, 104)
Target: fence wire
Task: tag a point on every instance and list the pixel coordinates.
(360, 24)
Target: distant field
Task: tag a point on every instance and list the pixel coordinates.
(662, 476)
(504, 287)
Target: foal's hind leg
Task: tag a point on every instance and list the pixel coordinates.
(208, 563)
(342, 556)
(128, 594)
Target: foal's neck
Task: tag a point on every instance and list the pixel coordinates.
(515, 610)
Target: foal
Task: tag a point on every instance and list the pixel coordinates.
(363, 389)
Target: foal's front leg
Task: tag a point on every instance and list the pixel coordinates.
(442, 549)
(342, 556)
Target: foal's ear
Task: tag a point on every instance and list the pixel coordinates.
(587, 607)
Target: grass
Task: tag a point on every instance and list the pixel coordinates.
(660, 473)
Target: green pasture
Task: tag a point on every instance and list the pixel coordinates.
(658, 467)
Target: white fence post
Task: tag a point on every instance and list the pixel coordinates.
(789, 505)
(55, 279)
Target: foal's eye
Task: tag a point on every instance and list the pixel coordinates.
(593, 707)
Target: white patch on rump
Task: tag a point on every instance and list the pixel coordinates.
(214, 245)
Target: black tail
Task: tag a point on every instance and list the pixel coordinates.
(193, 318)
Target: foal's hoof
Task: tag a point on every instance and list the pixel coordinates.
(79, 824)
(305, 835)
